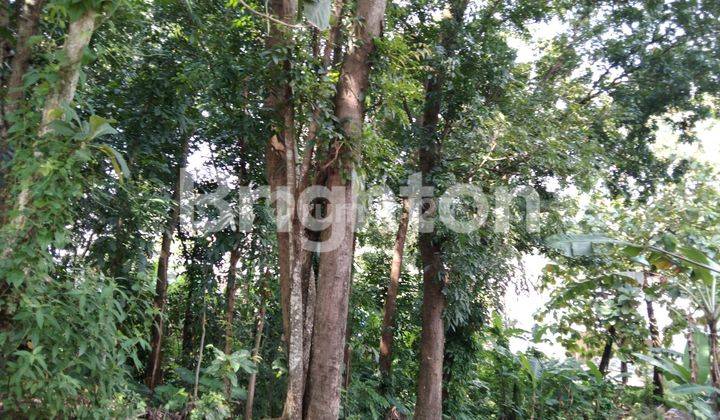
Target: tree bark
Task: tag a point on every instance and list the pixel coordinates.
(655, 340)
(432, 338)
(77, 39)
(200, 351)
(607, 352)
(281, 171)
(692, 350)
(154, 366)
(388, 325)
(714, 354)
(256, 352)
(4, 23)
(230, 290)
(331, 306)
(28, 22)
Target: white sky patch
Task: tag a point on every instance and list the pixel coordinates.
(706, 150)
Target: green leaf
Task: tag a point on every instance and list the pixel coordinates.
(594, 370)
(99, 126)
(118, 162)
(679, 372)
(693, 389)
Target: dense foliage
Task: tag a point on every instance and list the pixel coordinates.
(134, 283)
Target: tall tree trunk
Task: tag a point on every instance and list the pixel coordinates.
(692, 349)
(281, 170)
(624, 372)
(331, 306)
(654, 339)
(187, 333)
(28, 22)
(607, 351)
(714, 353)
(256, 351)
(230, 290)
(77, 39)
(432, 339)
(154, 366)
(388, 325)
(4, 44)
(200, 350)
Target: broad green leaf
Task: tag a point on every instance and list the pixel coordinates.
(594, 370)
(99, 126)
(118, 162)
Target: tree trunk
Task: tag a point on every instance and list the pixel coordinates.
(28, 23)
(714, 354)
(607, 352)
(655, 340)
(230, 290)
(200, 351)
(692, 350)
(4, 44)
(256, 352)
(154, 366)
(388, 325)
(623, 372)
(281, 170)
(335, 268)
(187, 334)
(77, 39)
(432, 339)
(230, 299)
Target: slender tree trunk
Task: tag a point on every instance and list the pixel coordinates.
(255, 353)
(388, 325)
(692, 350)
(281, 162)
(28, 22)
(154, 366)
(607, 352)
(654, 339)
(335, 268)
(4, 44)
(200, 352)
(714, 353)
(624, 372)
(187, 334)
(230, 290)
(432, 339)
